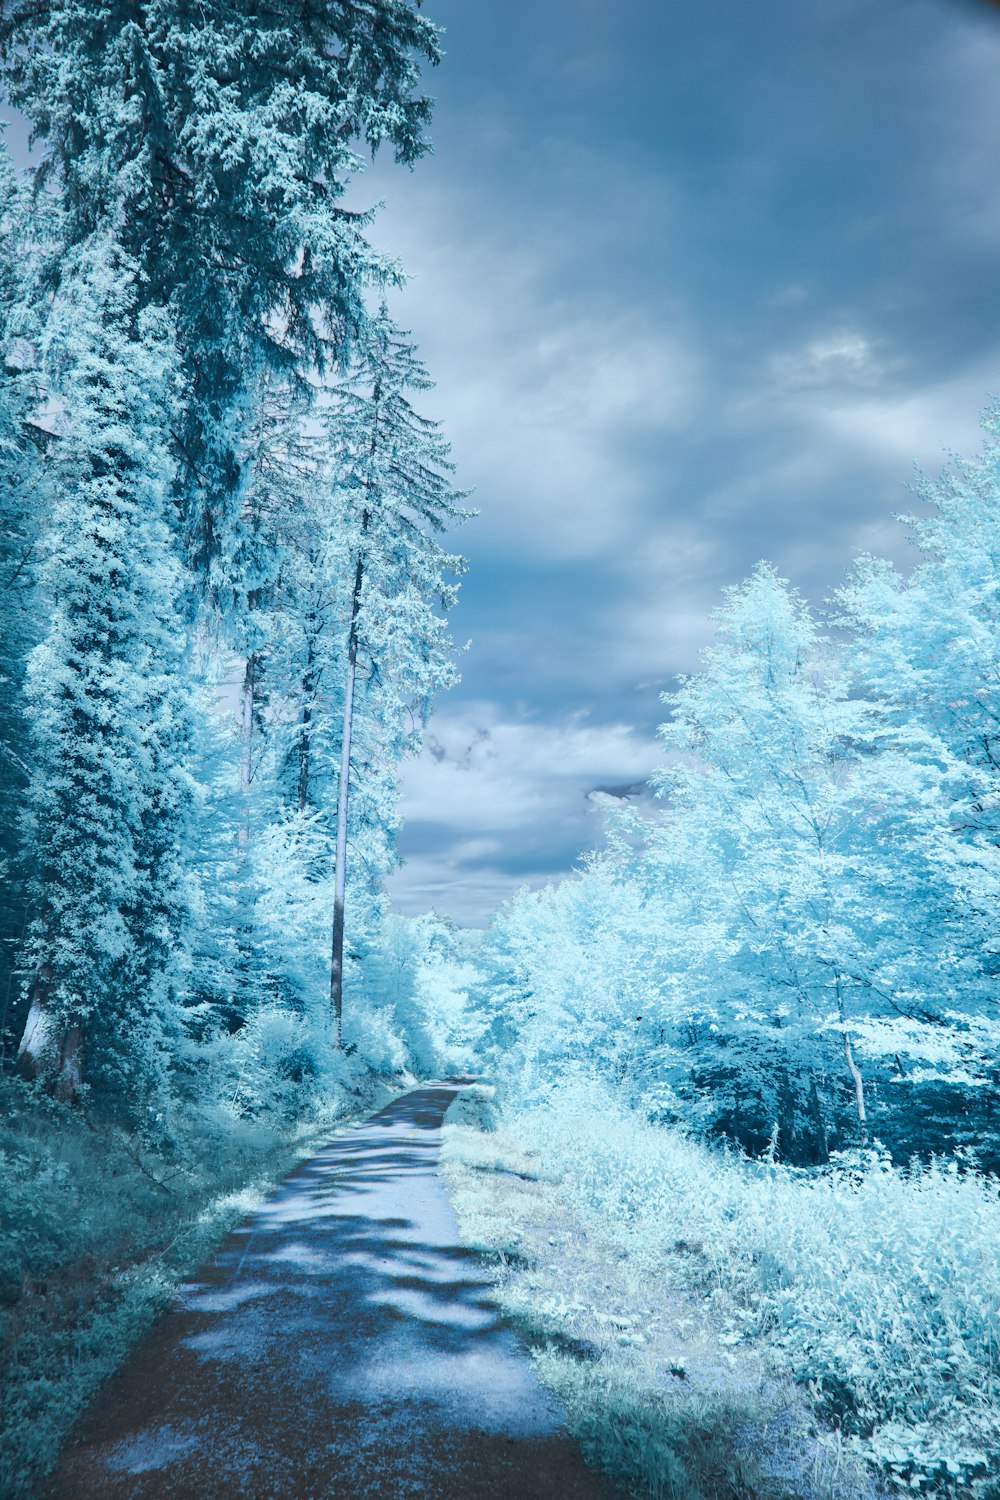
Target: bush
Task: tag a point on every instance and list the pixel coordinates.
(877, 1289)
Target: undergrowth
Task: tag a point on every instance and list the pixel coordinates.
(719, 1328)
(97, 1228)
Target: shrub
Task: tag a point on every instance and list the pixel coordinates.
(876, 1288)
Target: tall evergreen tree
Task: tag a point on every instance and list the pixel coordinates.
(218, 142)
(392, 474)
(110, 713)
(22, 486)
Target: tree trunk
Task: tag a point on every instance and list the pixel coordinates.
(243, 981)
(36, 1040)
(47, 1051)
(246, 759)
(859, 1089)
(820, 1138)
(70, 1064)
(305, 725)
(855, 1072)
(343, 796)
(340, 865)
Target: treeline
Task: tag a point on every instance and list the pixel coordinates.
(799, 953)
(224, 589)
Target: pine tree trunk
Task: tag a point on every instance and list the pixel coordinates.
(48, 1051)
(305, 725)
(36, 1039)
(244, 986)
(70, 1064)
(246, 760)
(343, 796)
(343, 801)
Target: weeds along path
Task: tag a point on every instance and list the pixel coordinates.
(340, 1346)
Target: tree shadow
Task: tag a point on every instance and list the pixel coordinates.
(341, 1343)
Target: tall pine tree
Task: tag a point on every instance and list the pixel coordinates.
(22, 487)
(394, 494)
(110, 715)
(218, 141)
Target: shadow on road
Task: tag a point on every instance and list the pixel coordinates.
(341, 1344)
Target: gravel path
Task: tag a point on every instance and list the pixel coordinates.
(340, 1345)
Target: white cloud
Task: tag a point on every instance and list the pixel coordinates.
(541, 394)
(841, 356)
(921, 425)
(492, 791)
(485, 775)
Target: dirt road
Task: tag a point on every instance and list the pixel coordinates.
(339, 1347)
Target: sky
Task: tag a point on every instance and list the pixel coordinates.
(699, 285)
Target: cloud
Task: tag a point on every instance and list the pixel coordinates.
(922, 425)
(484, 775)
(550, 399)
(495, 800)
(841, 357)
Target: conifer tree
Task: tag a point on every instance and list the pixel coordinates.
(22, 485)
(109, 788)
(392, 474)
(218, 141)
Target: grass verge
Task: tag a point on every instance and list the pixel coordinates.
(655, 1389)
(97, 1231)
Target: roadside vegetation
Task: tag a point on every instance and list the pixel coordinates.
(100, 1226)
(723, 1328)
(101, 1220)
(748, 1048)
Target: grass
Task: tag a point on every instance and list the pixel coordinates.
(720, 1331)
(97, 1230)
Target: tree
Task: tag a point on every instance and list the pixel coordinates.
(217, 143)
(839, 871)
(926, 649)
(110, 713)
(22, 486)
(796, 939)
(390, 468)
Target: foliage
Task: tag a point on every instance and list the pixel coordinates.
(873, 1288)
(109, 714)
(651, 1390)
(795, 960)
(187, 353)
(218, 143)
(798, 949)
(99, 1225)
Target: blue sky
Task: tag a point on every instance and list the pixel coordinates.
(698, 285)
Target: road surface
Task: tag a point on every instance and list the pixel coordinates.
(340, 1346)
